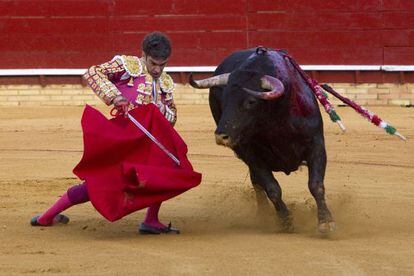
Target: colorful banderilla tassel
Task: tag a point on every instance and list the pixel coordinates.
(323, 99)
(365, 113)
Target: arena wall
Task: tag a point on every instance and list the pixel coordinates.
(79, 33)
(368, 94)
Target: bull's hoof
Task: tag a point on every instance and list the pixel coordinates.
(327, 227)
(287, 224)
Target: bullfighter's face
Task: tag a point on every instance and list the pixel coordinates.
(155, 66)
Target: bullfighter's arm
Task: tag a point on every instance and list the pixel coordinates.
(171, 112)
(167, 86)
(100, 78)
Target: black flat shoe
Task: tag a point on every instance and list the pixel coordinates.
(59, 218)
(146, 229)
(34, 222)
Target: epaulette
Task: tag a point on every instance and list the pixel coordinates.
(132, 65)
(166, 83)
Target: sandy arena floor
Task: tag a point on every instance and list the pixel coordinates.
(369, 185)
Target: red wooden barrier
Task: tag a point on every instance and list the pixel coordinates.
(79, 33)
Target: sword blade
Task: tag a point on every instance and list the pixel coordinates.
(149, 135)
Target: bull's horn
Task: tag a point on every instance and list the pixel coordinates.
(273, 84)
(209, 82)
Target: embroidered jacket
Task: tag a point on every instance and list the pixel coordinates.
(128, 76)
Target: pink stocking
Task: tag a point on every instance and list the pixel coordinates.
(151, 217)
(61, 204)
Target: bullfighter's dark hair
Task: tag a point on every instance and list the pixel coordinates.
(156, 45)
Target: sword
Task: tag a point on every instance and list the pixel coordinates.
(149, 135)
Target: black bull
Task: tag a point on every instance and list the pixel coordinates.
(268, 115)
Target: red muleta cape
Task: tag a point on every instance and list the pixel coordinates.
(124, 170)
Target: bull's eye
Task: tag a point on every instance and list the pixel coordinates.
(250, 103)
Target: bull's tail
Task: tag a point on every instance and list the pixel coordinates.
(373, 118)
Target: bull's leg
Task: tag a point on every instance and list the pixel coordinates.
(316, 169)
(264, 178)
(262, 201)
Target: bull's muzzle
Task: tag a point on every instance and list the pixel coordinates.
(223, 139)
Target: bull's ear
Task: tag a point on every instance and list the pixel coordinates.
(209, 82)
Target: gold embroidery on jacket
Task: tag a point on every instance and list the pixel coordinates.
(166, 83)
(132, 65)
(139, 99)
(141, 87)
(98, 79)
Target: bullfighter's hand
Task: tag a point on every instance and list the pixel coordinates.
(168, 113)
(161, 107)
(121, 104)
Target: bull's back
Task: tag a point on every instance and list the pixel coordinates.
(233, 61)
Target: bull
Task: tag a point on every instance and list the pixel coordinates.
(267, 114)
